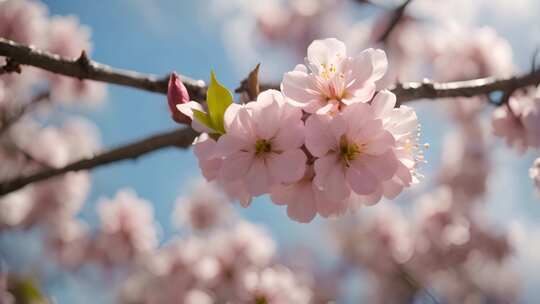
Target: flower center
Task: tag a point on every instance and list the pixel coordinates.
(262, 146)
(349, 151)
(261, 300)
(328, 70)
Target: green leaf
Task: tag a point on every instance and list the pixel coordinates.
(203, 118)
(219, 98)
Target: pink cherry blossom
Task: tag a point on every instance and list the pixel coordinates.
(206, 208)
(262, 144)
(354, 152)
(534, 173)
(274, 285)
(67, 38)
(332, 79)
(23, 21)
(466, 164)
(403, 124)
(204, 148)
(518, 122)
(127, 227)
(304, 199)
(69, 242)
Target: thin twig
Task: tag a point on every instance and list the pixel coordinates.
(181, 138)
(397, 14)
(9, 119)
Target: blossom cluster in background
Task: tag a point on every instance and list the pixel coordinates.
(332, 141)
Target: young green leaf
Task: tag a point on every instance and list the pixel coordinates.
(203, 118)
(218, 98)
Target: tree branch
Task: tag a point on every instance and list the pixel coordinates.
(84, 68)
(396, 17)
(484, 86)
(181, 138)
(9, 119)
(87, 69)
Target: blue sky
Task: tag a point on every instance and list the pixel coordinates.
(161, 36)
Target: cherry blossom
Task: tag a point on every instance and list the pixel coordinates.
(518, 122)
(67, 38)
(273, 285)
(331, 79)
(262, 143)
(204, 148)
(127, 227)
(206, 208)
(354, 152)
(534, 173)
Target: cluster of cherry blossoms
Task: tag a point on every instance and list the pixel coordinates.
(327, 143)
(440, 254)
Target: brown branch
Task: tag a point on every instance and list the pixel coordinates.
(9, 119)
(181, 138)
(397, 14)
(87, 69)
(84, 68)
(484, 86)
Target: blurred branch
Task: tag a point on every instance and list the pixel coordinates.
(9, 119)
(406, 92)
(397, 14)
(180, 138)
(85, 68)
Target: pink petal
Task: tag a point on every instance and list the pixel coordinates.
(327, 208)
(228, 144)
(383, 103)
(318, 138)
(325, 51)
(288, 166)
(267, 114)
(361, 179)
(384, 166)
(257, 179)
(370, 65)
(236, 165)
(356, 115)
(391, 188)
(292, 130)
(296, 86)
(335, 187)
(362, 93)
(381, 144)
(369, 131)
(302, 208)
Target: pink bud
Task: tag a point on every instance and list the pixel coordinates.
(177, 94)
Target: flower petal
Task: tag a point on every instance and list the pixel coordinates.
(288, 166)
(257, 179)
(319, 139)
(297, 87)
(236, 165)
(383, 103)
(361, 179)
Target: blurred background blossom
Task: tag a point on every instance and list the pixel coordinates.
(145, 232)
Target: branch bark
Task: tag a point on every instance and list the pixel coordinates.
(84, 68)
(181, 138)
(397, 14)
(410, 91)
